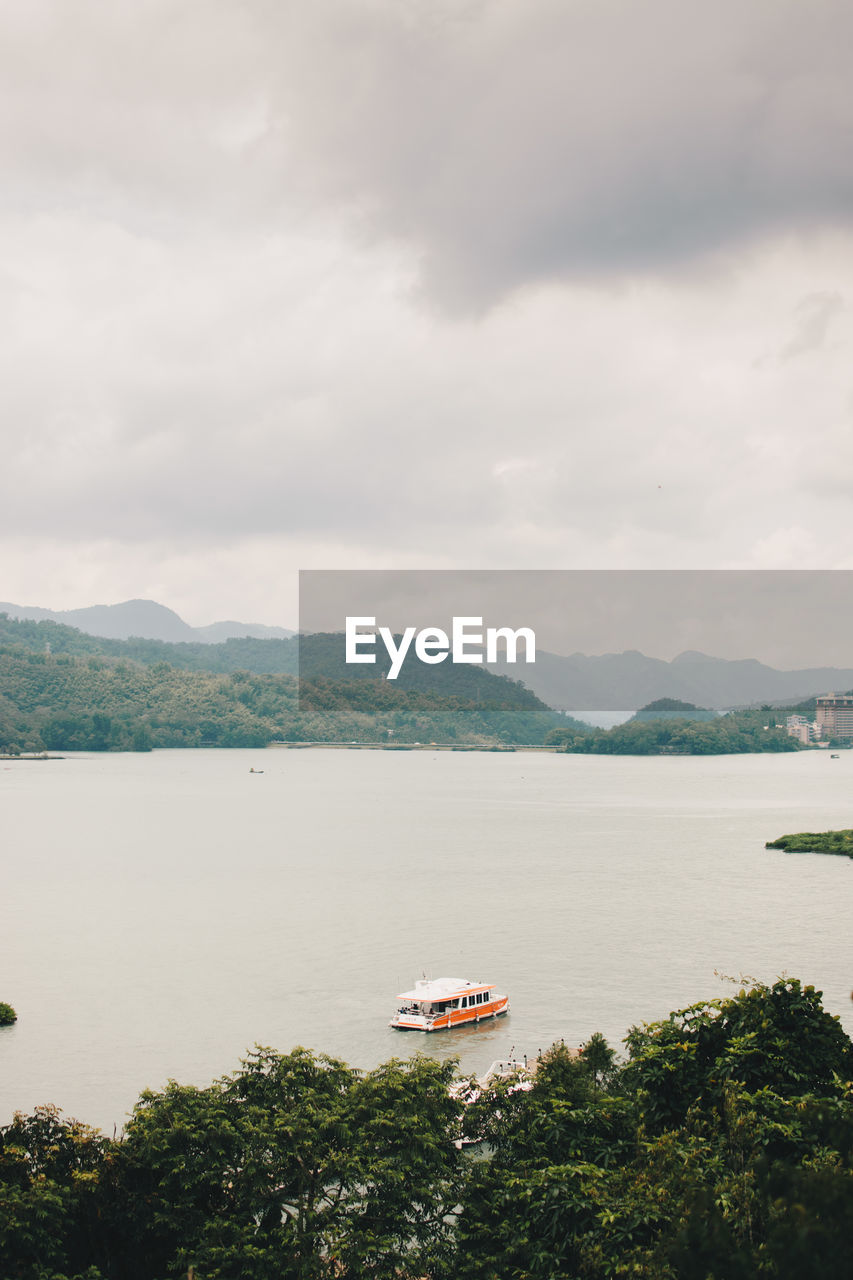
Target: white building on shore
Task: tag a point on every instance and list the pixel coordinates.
(803, 729)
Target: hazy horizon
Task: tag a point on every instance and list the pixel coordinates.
(736, 616)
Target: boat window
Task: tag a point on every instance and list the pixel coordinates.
(464, 1002)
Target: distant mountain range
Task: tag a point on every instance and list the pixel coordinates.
(146, 619)
(624, 681)
(577, 683)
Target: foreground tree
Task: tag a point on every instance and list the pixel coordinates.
(720, 1151)
(779, 1038)
(295, 1166)
(49, 1169)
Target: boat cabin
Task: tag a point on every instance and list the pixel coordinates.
(440, 1003)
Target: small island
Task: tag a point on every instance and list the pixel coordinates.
(839, 842)
(671, 709)
(668, 726)
(7, 1015)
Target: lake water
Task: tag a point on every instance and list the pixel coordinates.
(162, 913)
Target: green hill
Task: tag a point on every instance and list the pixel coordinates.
(278, 656)
(736, 733)
(312, 657)
(59, 702)
(671, 709)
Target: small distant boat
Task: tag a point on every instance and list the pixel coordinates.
(441, 1003)
(835, 756)
(256, 771)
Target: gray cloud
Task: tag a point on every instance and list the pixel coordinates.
(507, 144)
(419, 283)
(515, 144)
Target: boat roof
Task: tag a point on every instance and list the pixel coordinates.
(442, 989)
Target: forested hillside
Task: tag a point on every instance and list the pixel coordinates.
(312, 657)
(63, 690)
(244, 654)
(57, 702)
(736, 733)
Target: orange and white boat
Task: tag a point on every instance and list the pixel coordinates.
(440, 1003)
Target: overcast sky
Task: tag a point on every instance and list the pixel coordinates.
(419, 284)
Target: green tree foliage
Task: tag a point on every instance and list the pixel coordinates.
(837, 842)
(777, 1038)
(63, 703)
(529, 1207)
(735, 733)
(722, 1149)
(295, 1166)
(49, 1177)
(599, 1060)
(672, 709)
(7, 1014)
(312, 657)
(238, 654)
(669, 704)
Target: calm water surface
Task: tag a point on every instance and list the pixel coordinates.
(160, 914)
